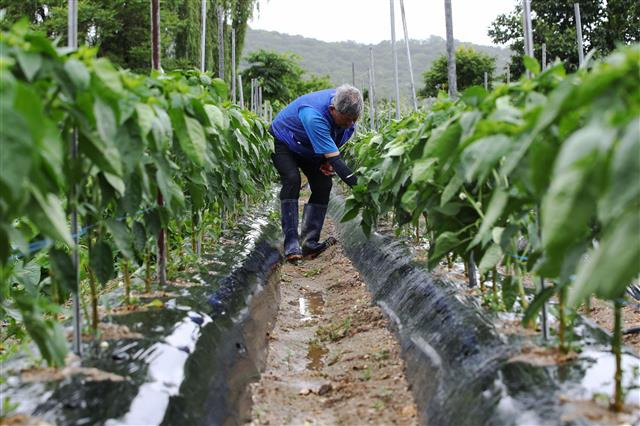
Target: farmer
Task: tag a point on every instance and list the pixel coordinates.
(308, 134)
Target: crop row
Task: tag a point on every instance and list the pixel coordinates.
(153, 152)
(538, 177)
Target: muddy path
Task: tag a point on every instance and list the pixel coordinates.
(332, 359)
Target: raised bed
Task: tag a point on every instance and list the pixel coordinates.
(189, 362)
(462, 370)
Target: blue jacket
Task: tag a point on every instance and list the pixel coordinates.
(288, 128)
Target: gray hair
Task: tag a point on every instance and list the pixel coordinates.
(348, 101)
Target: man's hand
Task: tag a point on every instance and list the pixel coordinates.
(327, 169)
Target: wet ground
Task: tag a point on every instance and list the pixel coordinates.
(332, 359)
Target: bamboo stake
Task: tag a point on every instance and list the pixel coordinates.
(75, 296)
(576, 7)
(451, 55)
(233, 65)
(544, 56)
(372, 93)
(155, 63)
(241, 91)
(406, 42)
(395, 59)
(372, 121)
(221, 42)
(203, 33)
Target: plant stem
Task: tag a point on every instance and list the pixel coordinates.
(494, 280)
(94, 301)
(127, 281)
(616, 348)
(562, 327)
(147, 274)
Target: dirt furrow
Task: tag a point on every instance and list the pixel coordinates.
(332, 358)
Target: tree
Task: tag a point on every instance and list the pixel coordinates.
(470, 69)
(281, 77)
(604, 23)
(121, 28)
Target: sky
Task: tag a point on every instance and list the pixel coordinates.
(369, 22)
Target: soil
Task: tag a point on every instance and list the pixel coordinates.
(332, 358)
(22, 420)
(602, 313)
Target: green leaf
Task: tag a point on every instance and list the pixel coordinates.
(108, 74)
(611, 267)
(452, 189)
(48, 335)
(146, 117)
(116, 183)
(122, 237)
(491, 258)
(139, 236)
(509, 286)
(423, 169)
(496, 206)
(220, 87)
(105, 120)
(48, 216)
(537, 303)
(531, 64)
(446, 242)
(624, 180)
(479, 158)
(63, 270)
(78, 73)
(30, 63)
(101, 261)
(216, 116)
(28, 275)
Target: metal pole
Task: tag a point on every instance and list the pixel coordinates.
(233, 65)
(72, 42)
(220, 42)
(406, 42)
(508, 75)
(576, 7)
(353, 74)
(372, 90)
(155, 64)
(372, 121)
(260, 100)
(395, 58)
(451, 54)
(544, 56)
(203, 35)
(241, 91)
(486, 81)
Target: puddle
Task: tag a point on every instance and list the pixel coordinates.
(315, 355)
(311, 304)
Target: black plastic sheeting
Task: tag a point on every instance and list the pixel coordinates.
(456, 361)
(197, 355)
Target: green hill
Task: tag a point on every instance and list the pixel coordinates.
(334, 59)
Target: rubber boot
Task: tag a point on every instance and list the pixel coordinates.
(312, 222)
(289, 220)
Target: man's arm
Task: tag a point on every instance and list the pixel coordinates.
(318, 131)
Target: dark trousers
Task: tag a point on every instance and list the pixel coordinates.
(289, 164)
